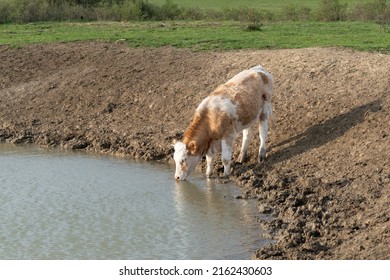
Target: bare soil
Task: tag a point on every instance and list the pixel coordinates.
(326, 181)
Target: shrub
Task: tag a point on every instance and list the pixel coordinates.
(246, 14)
(383, 19)
(128, 11)
(67, 11)
(32, 10)
(293, 12)
(251, 21)
(332, 10)
(194, 13)
(169, 10)
(5, 11)
(370, 11)
(250, 18)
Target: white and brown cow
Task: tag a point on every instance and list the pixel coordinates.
(233, 107)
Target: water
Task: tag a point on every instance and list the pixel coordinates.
(66, 205)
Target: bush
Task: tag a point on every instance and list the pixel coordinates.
(383, 19)
(332, 10)
(251, 20)
(31, 10)
(246, 14)
(169, 10)
(119, 10)
(138, 10)
(5, 11)
(193, 13)
(370, 11)
(294, 13)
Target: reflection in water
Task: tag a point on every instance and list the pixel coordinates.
(225, 217)
(65, 205)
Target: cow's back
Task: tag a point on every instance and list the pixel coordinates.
(235, 105)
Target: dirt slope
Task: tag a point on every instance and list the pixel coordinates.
(327, 177)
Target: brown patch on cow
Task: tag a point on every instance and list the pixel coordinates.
(245, 95)
(207, 126)
(192, 147)
(197, 135)
(248, 99)
(183, 166)
(263, 116)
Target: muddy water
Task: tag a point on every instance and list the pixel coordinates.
(66, 205)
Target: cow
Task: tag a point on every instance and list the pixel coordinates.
(231, 108)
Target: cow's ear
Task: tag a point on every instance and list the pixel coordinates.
(192, 148)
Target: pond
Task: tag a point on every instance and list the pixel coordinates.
(58, 204)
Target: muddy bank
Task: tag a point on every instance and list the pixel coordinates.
(327, 178)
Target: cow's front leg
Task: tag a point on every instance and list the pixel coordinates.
(215, 147)
(210, 164)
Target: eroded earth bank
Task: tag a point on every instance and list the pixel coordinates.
(326, 181)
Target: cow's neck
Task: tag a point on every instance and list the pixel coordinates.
(199, 132)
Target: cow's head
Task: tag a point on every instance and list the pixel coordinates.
(185, 160)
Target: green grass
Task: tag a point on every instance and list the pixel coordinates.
(201, 35)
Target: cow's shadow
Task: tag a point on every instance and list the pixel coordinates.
(322, 133)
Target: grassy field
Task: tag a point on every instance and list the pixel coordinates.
(366, 28)
(202, 35)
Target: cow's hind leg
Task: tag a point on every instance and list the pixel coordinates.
(247, 135)
(263, 131)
